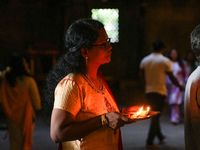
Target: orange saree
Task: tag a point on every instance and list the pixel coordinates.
(18, 108)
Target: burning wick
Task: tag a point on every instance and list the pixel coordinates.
(139, 112)
(142, 112)
(148, 109)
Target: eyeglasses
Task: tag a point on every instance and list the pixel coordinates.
(106, 44)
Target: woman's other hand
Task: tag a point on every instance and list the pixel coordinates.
(116, 120)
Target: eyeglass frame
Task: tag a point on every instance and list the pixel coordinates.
(104, 43)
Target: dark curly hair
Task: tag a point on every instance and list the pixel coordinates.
(81, 34)
(195, 41)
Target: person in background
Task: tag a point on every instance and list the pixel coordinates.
(175, 94)
(85, 114)
(191, 62)
(192, 98)
(19, 99)
(153, 70)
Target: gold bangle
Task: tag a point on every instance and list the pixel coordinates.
(103, 120)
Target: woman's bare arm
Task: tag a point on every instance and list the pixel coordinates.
(65, 128)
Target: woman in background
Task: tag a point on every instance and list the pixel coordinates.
(19, 98)
(174, 94)
(191, 62)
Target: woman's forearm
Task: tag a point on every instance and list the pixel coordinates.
(65, 128)
(68, 130)
(78, 130)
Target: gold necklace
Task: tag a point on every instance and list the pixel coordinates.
(89, 80)
(98, 84)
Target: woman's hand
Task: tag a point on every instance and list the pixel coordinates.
(115, 120)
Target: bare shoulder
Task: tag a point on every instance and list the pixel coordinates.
(29, 81)
(25, 82)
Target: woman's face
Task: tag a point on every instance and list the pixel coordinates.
(174, 55)
(190, 57)
(100, 53)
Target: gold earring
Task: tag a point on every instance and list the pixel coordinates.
(86, 60)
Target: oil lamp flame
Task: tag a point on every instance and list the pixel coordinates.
(148, 109)
(139, 112)
(142, 112)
